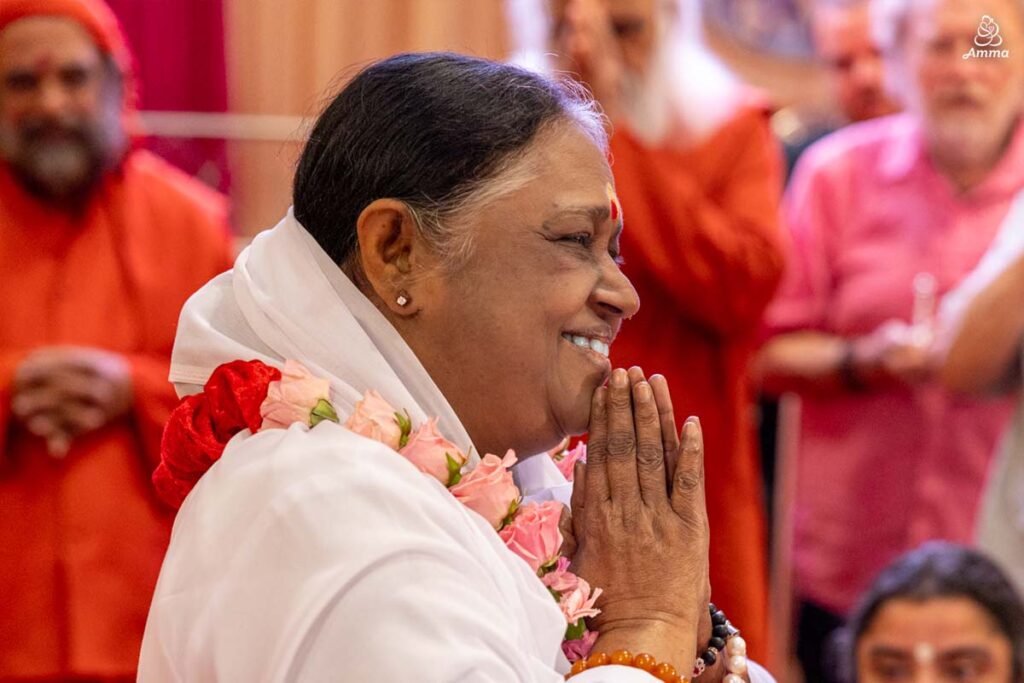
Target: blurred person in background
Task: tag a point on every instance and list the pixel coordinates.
(886, 217)
(849, 50)
(942, 612)
(699, 177)
(984, 321)
(852, 60)
(100, 245)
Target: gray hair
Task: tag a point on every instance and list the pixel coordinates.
(444, 224)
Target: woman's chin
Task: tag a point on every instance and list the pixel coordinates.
(576, 419)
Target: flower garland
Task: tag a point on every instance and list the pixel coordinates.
(253, 395)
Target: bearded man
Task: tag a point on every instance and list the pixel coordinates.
(888, 216)
(100, 245)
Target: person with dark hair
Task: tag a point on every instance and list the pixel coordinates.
(942, 612)
(700, 178)
(446, 286)
(100, 245)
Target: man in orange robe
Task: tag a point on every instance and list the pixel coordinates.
(699, 180)
(100, 245)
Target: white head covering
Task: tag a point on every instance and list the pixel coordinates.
(286, 299)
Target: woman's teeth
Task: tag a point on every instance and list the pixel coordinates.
(586, 342)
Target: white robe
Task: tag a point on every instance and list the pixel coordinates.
(319, 555)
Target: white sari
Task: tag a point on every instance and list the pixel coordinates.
(317, 554)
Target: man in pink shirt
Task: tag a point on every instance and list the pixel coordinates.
(886, 216)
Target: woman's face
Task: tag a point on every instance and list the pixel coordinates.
(935, 640)
(517, 338)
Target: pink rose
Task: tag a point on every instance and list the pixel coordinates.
(293, 397)
(567, 460)
(579, 603)
(580, 647)
(489, 490)
(431, 453)
(560, 579)
(533, 534)
(374, 418)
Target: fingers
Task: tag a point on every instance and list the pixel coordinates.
(688, 482)
(595, 474)
(669, 432)
(620, 443)
(579, 488)
(650, 454)
(567, 529)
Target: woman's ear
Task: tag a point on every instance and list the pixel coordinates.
(390, 249)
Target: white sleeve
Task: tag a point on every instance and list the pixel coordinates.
(1006, 248)
(758, 674)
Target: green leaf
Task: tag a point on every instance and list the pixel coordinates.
(548, 566)
(513, 508)
(454, 470)
(575, 631)
(405, 424)
(323, 410)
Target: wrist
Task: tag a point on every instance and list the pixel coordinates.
(665, 642)
(850, 368)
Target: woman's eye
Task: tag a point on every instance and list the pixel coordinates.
(581, 238)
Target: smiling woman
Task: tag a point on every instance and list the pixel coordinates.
(454, 247)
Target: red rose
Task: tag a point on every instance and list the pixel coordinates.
(202, 424)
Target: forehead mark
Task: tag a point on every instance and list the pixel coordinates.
(924, 653)
(614, 208)
(44, 63)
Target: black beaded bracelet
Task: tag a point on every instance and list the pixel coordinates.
(722, 631)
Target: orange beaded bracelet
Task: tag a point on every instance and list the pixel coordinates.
(663, 671)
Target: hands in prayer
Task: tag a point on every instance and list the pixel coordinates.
(62, 392)
(640, 523)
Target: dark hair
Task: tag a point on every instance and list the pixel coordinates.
(428, 129)
(938, 569)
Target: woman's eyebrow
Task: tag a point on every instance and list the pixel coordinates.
(594, 214)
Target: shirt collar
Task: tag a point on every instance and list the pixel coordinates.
(906, 152)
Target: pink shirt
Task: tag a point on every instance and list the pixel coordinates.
(878, 473)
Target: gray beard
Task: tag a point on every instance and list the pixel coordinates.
(63, 172)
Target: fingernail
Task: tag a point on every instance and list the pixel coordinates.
(643, 391)
(619, 378)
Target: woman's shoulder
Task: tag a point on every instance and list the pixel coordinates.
(327, 482)
(294, 528)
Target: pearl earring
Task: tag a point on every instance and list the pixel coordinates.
(403, 298)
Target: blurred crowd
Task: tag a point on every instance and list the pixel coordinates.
(872, 267)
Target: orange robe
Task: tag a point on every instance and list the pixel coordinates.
(702, 247)
(82, 539)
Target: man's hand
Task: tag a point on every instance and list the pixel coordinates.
(895, 353)
(62, 391)
(585, 44)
